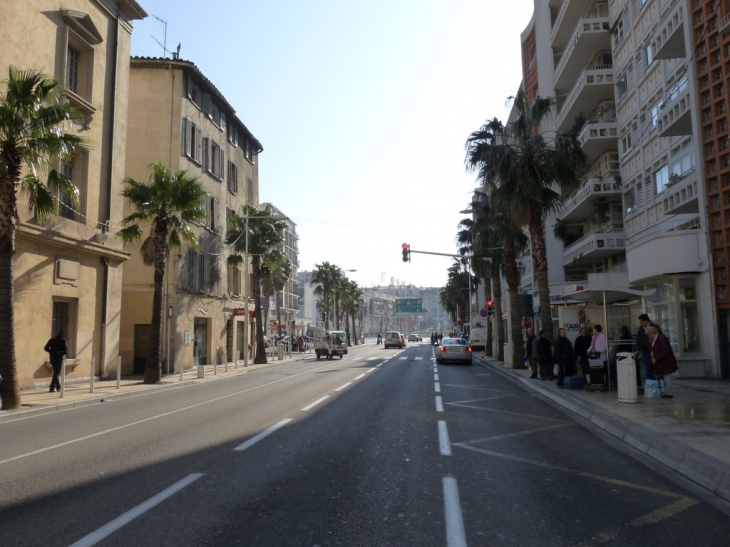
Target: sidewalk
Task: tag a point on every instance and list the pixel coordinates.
(40, 401)
(689, 434)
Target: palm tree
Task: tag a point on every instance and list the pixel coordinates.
(275, 270)
(169, 203)
(351, 299)
(32, 136)
(523, 165)
(265, 234)
(325, 275)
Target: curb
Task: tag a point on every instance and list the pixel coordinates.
(702, 469)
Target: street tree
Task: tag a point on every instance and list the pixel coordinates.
(325, 275)
(33, 138)
(169, 203)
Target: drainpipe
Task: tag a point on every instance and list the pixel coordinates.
(110, 185)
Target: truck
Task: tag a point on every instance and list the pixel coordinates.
(328, 343)
(478, 338)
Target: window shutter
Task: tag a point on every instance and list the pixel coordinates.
(206, 154)
(222, 164)
(184, 140)
(223, 120)
(198, 143)
(207, 104)
(214, 207)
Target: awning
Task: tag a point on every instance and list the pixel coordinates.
(608, 296)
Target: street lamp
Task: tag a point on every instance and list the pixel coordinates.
(246, 322)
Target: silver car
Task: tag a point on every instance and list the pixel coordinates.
(455, 350)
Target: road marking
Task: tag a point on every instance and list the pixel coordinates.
(373, 358)
(369, 370)
(381, 364)
(436, 377)
(418, 358)
(402, 358)
(95, 537)
(444, 444)
(437, 387)
(343, 386)
(439, 404)
(315, 403)
(455, 535)
(361, 376)
(156, 417)
(517, 434)
(256, 438)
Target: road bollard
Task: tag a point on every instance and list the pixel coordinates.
(93, 369)
(119, 372)
(63, 377)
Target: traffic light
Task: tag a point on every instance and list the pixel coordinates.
(490, 307)
(406, 252)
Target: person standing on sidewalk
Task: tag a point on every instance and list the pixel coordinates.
(545, 356)
(582, 343)
(531, 351)
(563, 351)
(56, 348)
(599, 346)
(643, 345)
(665, 363)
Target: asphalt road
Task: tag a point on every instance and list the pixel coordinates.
(377, 449)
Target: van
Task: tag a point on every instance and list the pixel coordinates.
(393, 339)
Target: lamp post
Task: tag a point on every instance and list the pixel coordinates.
(246, 296)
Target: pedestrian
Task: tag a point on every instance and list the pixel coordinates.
(642, 349)
(531, 351)
(545, 356)
(582, 344)
(300, 343)
(57, 349)
(599, 347)
(663, 359)
(563, 353)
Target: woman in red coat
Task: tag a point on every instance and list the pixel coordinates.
(662, 358)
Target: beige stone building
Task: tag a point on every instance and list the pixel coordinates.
(179, 118)
(68, 273)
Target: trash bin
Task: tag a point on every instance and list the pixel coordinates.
(281, 351)
(626, 377)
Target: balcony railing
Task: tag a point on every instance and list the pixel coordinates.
(596, 75)
(586, 25)
(665, 226)
(610, 239)
(604, 12)
(594, 186)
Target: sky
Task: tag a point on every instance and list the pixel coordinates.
(363, 108)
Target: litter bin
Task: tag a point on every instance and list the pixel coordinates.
(626, 377)
(281, 351)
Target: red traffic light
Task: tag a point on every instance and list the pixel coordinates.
(405, 246)
(490, 303)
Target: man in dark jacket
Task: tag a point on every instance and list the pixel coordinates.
(531, 351)
(663, 359)
(643, 345)
(582, 343)
(563, 352)
(545, 356)
(56, 348)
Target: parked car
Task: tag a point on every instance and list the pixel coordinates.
(455, 350)
(414, 338)
(393, 339)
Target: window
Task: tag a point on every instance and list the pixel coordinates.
(193, 92)
(65, 203)
(629, 201)
(655, 112)
(683, 164)
(234, 280)
(232, 178)
(626, 143)
(648, 57)
(210, 207)
(233, 134)
(622, 87)
(661, 178)
(73, 62)
(248, 150)
(214, 159)
(618, 33)
(196, 271)
(249, 191)
(192, 141)
(690, 317)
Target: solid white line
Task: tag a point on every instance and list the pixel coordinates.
(256, 438)
(444, 444)
(361, 376)
(343, 387)
(437, 387)
(95, 537)
(315, 403)
(439, 404)
(455, 535)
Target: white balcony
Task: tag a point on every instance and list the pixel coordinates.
(680, 194)
(675, 119)
(569, 14)
(599, 137)
(669, 36)
(595, 246)
(577, 207)
(671, 250)
(590, 36)
(592, 86)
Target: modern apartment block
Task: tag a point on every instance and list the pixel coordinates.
(179, 118)
(622, 74)
(68, 273)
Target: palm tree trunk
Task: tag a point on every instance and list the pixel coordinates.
(152, 368)
(512, 277)
(497, 293)
(278, 311)
(260, 357)
(354, 332)
(540, 265)
(9, 387)
(326, 296)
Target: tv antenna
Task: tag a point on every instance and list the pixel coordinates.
(163, 45)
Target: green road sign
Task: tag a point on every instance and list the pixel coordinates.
(408, 305)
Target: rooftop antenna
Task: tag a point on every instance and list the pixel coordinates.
(165, 51)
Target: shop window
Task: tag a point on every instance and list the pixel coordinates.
(661, 307)
(690, 315)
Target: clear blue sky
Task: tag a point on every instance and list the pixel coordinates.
(363, 108)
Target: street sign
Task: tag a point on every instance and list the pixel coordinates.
(170, 312)
(483, 312)
(408, 305)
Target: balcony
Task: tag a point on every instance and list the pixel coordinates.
(723, 26)
(680, 194)
(590, 36)
(599, 137)
(669, 41)
(595, 246)
(577, 207)
(570, 13)
(675, 119)
(594, 84)
(674, 246)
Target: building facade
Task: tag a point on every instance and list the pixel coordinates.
(68, 273)
(179, 118)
